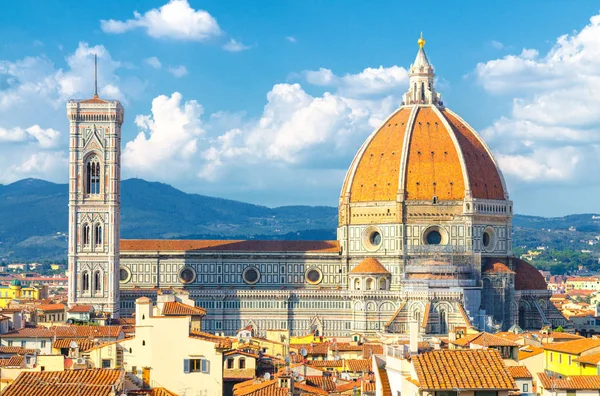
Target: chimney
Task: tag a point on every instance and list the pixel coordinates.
(414, 338)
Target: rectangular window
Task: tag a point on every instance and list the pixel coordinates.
(23, 343)
(525, 388)
(571, 392)
(196, 366)
(560, 358)
(569, 360)
(105, 363)
(43, 344)
(10, 343)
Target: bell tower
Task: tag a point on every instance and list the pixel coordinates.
(94, 201)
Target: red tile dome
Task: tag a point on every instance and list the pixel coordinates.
(527, 277)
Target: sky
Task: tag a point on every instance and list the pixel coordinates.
(267, 102)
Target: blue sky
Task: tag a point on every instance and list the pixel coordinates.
(267, 102)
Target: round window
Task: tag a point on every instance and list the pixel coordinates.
(433, 237)
(486, 239)
(251, 275)
(375, 238)
(313, 276)
(187, 275)
(124, 274)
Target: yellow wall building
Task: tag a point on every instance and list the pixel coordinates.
(15, 291)
(564, 358)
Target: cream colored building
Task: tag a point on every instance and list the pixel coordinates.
(165, 352)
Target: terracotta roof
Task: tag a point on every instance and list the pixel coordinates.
(528, 351)
(51, 307)
(357, 365)
(573, 347)
(220, 342)
(84, 344)
(372, 349)
(13, 361)
(527, 277)
(151, 392)
(345, 347)
(369, 266)
(66, 332)
(327, 363)
(81, 308)
(594, 359)
(496, 267)
(259, 388)
(95, 99)
(573, 382)
(463, 369)
(16, 350)
(519, 372)
(484, 339)
(180, 309)
(317, 348)
(233, 245)
(96, 382)
(238, 374)
(321, 381)
(312, 390)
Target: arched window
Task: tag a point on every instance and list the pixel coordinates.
(423, 91)
(98, 235)
(242, 363)
(356, 284)
(415, 92)
(86, 235)
(86, 281)
(230, 363)
(97, 284)
(369, 284)
(417, 316)
(443, 323)
(92, 176)
(382, 284)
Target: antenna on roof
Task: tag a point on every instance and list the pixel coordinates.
(95, 75)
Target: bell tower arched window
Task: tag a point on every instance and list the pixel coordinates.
(86, 235)
(92, 176)
(85, 281)
(97, 284)
(98, 235)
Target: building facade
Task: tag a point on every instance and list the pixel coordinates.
(424, 235)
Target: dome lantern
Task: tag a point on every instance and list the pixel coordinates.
(421, 79)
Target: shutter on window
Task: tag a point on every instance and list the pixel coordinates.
(186, 365)
(205, 366)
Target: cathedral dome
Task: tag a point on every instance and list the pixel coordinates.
(423, 152)
(527, 276)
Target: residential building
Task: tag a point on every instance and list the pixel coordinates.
(51, 313)
(563, 358)
(523, 379)
(15, 291)
(574, 385)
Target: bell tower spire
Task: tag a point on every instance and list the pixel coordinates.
(421, 79)
(95, 75)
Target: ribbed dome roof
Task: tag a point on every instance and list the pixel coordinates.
(423, 151)
(527, 277)
(369, 266)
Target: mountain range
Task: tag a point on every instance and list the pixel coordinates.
(34, 214)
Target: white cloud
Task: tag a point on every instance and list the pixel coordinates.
(235, 46)
(33, 92)
(297, 134)
(291, 39)
(178, 71)
(174, 20)
(553, 130)
(168, 139)
(497, 44)
(369, 81)
(153, 62)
